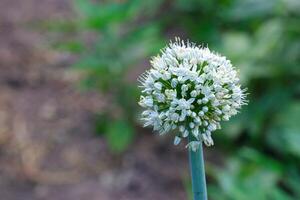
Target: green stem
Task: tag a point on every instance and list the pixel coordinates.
(197, 172)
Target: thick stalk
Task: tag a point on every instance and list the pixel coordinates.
(197, 172)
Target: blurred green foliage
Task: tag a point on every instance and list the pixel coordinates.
(261, 146)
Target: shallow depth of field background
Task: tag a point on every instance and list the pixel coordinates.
(69, 127)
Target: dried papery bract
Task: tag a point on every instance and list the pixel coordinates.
(191, 89)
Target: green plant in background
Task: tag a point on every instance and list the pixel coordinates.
(261, 37)
(249, 175)
(120, 43)
(110, 40)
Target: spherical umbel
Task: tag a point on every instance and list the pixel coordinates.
(191, 89)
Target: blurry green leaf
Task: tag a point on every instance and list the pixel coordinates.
(276, 194)
(119, 135)
(267, 37)
(292, 5)
(98, 15)
(101, 123)
(101, 15)
(204, 32)
(139, 43)
(248, 9)
(261, 161)
(89, 62)
(191, 5)
(72, 46)
(249, 176)
(127, 96)
(187, 183)
(284, 136)
(214, 193)
(234, 127)
(292, 180)
(261, 109)
(236, 44)
(60, 26)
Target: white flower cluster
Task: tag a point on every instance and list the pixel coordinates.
(192, 89)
